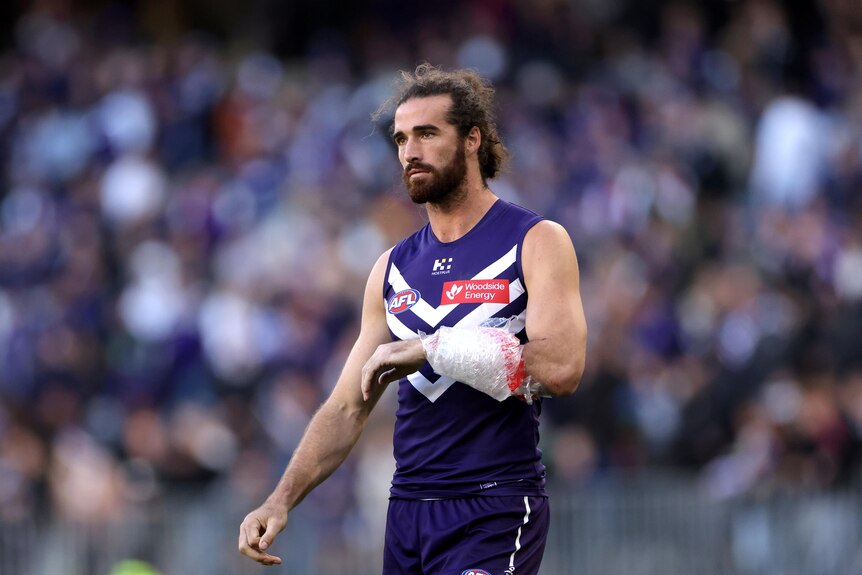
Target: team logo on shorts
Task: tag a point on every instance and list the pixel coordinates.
(403, 300)
(475, 572)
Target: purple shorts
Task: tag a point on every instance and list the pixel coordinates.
(466, 536)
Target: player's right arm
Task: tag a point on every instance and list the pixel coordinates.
(331, 434)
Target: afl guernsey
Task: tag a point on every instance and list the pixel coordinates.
(451, 440)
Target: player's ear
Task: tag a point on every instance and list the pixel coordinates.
(473, 140)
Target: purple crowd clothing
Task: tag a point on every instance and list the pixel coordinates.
(451, 440)
(467, 536)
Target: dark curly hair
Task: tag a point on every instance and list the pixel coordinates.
(472, 105)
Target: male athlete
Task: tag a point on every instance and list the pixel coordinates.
(468, 495)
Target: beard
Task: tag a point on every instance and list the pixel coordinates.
(441, 186)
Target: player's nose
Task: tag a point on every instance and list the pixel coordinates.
(412, 151)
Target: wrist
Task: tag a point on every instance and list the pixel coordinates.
(485, 358)
(283, 496)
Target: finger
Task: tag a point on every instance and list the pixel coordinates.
(244, 546)
(260, 557)
(252, 553)
(368, 378)
(272, 529)
(251, 527)
(365, 386)
(388, 376)
(246, 549)
(267, 559)
(243, 539)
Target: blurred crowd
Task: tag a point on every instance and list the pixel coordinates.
(187, 223)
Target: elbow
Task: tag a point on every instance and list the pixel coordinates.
(570, 385)
(558, 365)
(566, 381)
(574, 369)
(356, 414)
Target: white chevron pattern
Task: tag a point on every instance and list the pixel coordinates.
(434, 315)
(430, 390)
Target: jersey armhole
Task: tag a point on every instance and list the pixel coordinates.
(518, 263)
(385, 287)
(522, 335)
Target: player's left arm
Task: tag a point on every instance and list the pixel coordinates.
(556, 326)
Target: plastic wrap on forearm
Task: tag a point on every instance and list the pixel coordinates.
(485, 358)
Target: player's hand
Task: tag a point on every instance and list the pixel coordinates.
(390, 362)
(258, 530)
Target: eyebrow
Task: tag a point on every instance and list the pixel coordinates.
(419, 128)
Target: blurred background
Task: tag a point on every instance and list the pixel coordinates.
(193, 194)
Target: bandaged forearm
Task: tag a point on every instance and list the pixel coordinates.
(485, 358)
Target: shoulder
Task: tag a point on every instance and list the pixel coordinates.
(374, 286)
(379, 269)
(518, 212)
(547, 239)
(516, 220)
(547, 231)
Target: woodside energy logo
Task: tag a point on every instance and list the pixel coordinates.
(475, 291)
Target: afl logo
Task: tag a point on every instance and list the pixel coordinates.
(403, 300)
(475, 572)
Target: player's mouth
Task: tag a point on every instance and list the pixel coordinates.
(417, 170)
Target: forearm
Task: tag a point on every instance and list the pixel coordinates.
(556, 363)
(328, 439)
(492, 360)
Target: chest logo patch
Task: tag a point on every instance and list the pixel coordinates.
(442, 266)
(403, 300)
(475, 291)
(475, 572)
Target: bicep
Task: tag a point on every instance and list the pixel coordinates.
(552, 278)
(372, 333)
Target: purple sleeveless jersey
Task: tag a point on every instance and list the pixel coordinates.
(451, 440)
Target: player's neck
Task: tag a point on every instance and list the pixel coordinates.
(452, 221)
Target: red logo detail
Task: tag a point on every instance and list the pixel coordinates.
(476, 291)
(403, 300)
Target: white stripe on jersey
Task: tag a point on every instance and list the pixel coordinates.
(433, 316)
(423, 310)
(430, 390)
(397, 327)
(487, 310)
(472, 319)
